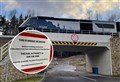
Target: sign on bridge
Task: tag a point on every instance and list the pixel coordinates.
(31, 51)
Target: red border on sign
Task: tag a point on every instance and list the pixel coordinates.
(33, 35)
(51, 53)
(76, 39)
(33, 68)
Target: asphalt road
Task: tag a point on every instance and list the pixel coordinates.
(66, 79)
(64, 72)
(80, 78)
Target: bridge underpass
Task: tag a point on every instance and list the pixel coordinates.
(96, 48)
(98, 57)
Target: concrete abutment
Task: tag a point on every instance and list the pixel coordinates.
(101, 60)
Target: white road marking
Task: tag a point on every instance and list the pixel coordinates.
(88, 78)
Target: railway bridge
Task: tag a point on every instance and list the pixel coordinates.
(97, 49)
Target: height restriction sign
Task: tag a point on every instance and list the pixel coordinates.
(31, 51)
(74, 37)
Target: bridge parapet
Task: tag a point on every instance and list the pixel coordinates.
(82, 39)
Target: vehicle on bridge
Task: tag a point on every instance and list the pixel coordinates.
(70, 25)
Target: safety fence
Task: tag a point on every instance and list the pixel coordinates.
(4, 50)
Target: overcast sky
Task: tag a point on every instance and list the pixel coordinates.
(62, 8)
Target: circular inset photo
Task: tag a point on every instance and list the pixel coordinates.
(31, 51)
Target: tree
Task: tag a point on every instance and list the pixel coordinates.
(25, 17)
(2, 23)
(21, 19)
(2, 20)
(13, 21)
(89, 14)
(31, 13)
(97, 16)
(114, 17)
(12, 13)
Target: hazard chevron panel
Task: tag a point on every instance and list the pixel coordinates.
(74, 43)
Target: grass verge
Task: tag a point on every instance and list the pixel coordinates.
(31, 79)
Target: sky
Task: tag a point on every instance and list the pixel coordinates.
(76, 9)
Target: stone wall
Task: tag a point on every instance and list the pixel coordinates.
(115, 54)
(9, 73)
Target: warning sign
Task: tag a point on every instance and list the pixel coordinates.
(74, 37)
(31, 51)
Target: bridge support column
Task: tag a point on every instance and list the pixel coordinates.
(100, 59)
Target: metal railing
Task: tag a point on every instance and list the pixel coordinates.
(115, 35)
(4, 50)
(52, 30)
